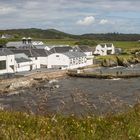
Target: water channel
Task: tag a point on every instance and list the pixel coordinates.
(76, 96)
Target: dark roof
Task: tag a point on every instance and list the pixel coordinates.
(20, 60)
(108, 44)
(28, 52)
(5, 51)
(42, 52)
(61, 49)
(74, 54)
(103, 45)
(84, 48)
(39, 46)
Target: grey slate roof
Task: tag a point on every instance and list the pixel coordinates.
(107, 44)
(21, 57)
(16, 44)
(42, 52)
(5, 52)
(84, 48)
(56, 45)
(103, 45)
(40, 46)
(28, 52)
(61, 49)
(20, 60)
(74, 54)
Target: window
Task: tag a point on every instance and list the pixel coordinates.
(57, 55)
(35, 58)
(3, 65)
(71, 61)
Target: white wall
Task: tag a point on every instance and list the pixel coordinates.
(57, 59)
(70, 63)
(10, 61)
(36, 62)
(24, 66)
(78, 62)
(43, 61)
(103, 50)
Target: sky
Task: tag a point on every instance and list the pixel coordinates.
(72, 16)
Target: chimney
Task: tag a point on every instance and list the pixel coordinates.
(29, 40)
(24, 40)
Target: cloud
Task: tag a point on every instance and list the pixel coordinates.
(117, 15)
(86, 21)
(6, 10)
(103, 21)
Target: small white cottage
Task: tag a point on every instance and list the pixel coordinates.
(104, 49)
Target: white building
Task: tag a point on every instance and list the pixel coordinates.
(7, 61)
(88, 51)
(105, 49)
(36, 43)
(43, 56)
(67, 60)
(31, 55)
(23, 63)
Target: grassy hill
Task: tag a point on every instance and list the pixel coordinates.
(55, 34)
(37, 33)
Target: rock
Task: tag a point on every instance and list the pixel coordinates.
(38, 79)
(109, 63)
(19, 84)
(53, 81)
(56, 86)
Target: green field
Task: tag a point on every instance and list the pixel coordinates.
(120, 44)
(127, 45)
(61, 41)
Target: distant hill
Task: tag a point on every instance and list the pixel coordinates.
(55, 34)
(37, 33)
(112, 37)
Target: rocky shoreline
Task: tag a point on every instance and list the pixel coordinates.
(14, 84)
(120, 61)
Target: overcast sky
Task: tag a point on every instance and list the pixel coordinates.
(72, 16)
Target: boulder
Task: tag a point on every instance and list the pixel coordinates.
(19, 84)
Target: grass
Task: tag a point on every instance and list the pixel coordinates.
(61, 41)
(126, 45)
(113, 57)
(22, 126)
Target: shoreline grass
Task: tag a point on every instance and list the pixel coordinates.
(122, 126)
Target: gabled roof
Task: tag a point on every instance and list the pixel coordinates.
(22, 59)
(28, 52)
(19, 44)
(40, 46)
(74, 54)
(42, 52)
(61, 49)
(84, 48)
(5, 52)
(107, 44)
(103, 45)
